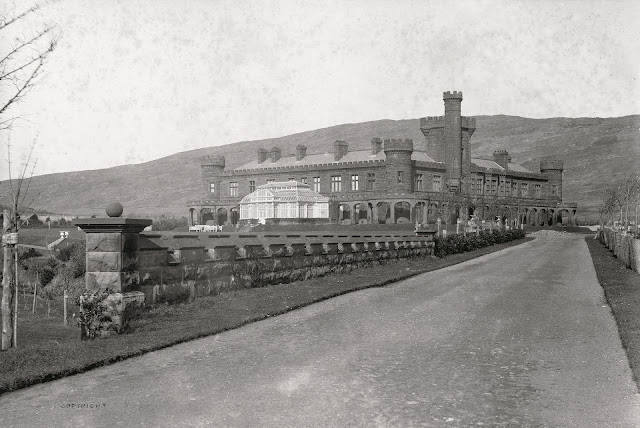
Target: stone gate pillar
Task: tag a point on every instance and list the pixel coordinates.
(112, 249)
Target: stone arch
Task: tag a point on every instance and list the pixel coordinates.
(471, 210)
(345, 214)
(207, 214)
(222, 216)
(419, 212)
(402, 212)
(486, 213)
(384, 212)
(193, 216)
(455, 213)
(432, 212)
(504, 212)
(235, 215)
(532, 217)
(563, 216)
(542, 220)
(360, 213)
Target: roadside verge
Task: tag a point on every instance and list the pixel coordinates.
(622, 291)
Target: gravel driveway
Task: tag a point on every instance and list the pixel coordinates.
(520, 337)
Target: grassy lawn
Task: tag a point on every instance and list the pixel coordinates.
(47, 350)
(42, 236)
(622, 290)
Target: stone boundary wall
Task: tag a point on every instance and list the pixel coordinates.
(624, 246)
(176, 267)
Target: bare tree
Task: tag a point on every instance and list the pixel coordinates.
(21, 65)
(621, 199)
(19, 69)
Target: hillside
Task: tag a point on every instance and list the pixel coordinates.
(595, 152)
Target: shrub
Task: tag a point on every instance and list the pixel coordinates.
(67, 252)
(453, 244)
(27, 254)
(169, 223)
(92, 309)
(46, 274)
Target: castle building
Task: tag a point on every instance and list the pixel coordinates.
(398, 181)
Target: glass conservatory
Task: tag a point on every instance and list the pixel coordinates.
(285, 199)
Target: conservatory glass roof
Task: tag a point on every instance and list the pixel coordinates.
(284, 191)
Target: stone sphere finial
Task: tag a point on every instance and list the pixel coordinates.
(114, 209)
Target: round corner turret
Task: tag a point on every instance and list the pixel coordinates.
(551, 165)
(452, 95)
(212, 161)
(399, 144)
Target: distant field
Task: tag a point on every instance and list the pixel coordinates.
(44, 236)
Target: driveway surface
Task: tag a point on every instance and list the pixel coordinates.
(520, 337)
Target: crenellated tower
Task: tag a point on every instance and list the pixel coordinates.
(453, 138)
(398, 166)
(447, 140)
(553, 170)
(212, 169)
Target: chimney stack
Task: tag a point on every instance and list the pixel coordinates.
(262, 155)
(502, 158)
(275, 154)
(376, 145)
(340, 148)
(301, 152)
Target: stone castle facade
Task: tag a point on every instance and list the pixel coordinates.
(398, 181)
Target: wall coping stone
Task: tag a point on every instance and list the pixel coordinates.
(112, 224)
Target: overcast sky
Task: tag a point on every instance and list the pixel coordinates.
(132, 81)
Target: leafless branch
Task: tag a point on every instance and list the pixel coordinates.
(24, 171)
(25, 44)
(22, 64)
(5, 22)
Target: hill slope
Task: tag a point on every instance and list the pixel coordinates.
(595, 152)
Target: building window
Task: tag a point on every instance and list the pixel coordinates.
(303, 180)
(418, 183)
(507, 188)
(476, 185)
(355, 182)
(212, 187)
(554, 189)
(371, 180)
(494, 186)
(538, 190)
(233, 188)
(514, 189)
(336, 183)
(292, 179)
(400, 177)
(501, 186)
(525, 189)
(437, 183)
(252, 186)
(316, 184)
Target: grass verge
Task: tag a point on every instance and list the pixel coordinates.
(622, 291)
(47, 350)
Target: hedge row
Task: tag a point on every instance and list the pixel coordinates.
(453, 244)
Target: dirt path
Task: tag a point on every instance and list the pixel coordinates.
(520, 337)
